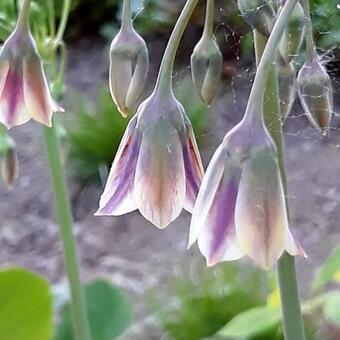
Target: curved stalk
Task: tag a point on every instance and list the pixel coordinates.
(63, 210)
(63, 22)
(164, 80)
(126, 17)
(255, 101)
(209, 19)
(309, 31)
(23, 22)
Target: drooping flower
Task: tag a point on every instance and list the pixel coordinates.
(240, 209)
(24, 91)
(206, 60)
(157, 168)
(315, 92)
(259, 14)
(129, 62)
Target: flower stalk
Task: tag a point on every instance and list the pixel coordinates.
(309, 32)
(63, 21)
(290, 304)
(209, 19)
(63, 210)
(164, 80)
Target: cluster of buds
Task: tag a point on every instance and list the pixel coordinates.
(206, 60)
(129, 61)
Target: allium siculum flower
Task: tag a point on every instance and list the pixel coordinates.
(240, 209)
(129, 61)
(157, 168)
(315, 92)
(206, 60)
(259, 14)
(24, 92)
(287, 86)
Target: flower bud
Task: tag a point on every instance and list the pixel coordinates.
(315, 93)
(259, 14)
(293, 36)
(9, 165)
(129, 62)
(287, 86)
(206, 68)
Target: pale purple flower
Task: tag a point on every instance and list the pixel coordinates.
(24, 91)
(240, 209)
(157, 168)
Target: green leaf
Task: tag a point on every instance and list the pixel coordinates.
(26, 306)
(326, 272)
(255, 321)
(331, 308)
(109, 312)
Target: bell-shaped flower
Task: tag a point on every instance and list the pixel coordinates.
(315, 92)
(294, 34)
(259, 14)
(206, 68)
(287, 86)
(24, 91)
(240, 209)
(129, 62)
(157, 168)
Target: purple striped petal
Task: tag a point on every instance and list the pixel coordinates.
(212, 222)
(160, 175)
(118, 197)
(193, 170)
(12, 108)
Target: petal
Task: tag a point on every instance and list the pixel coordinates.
(193, 169)
(118, 198)
(260, 215)
(120, 79)
(138, 79)
(38, 100)
(4, 68)
(160, 175)
(213, 217)
(12, 107)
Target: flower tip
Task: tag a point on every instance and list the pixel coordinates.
(211, 262)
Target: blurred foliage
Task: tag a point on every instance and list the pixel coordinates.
(94, 132)
(26, 311)
(109, 312)
(232, 302)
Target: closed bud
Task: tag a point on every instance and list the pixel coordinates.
(206, 68)
(315, 92)
(259, 14)
(287, 86)
(9, 165)
(293, 36)
(129, 61)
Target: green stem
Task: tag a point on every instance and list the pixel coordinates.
(126, 18)
(209, 19)
(309, 31)
(23, 22)
(290, 304)
(254, 106)
(63, 22)
(164, 80)
(63, 209)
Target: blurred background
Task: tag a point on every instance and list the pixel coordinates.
(172, 293)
